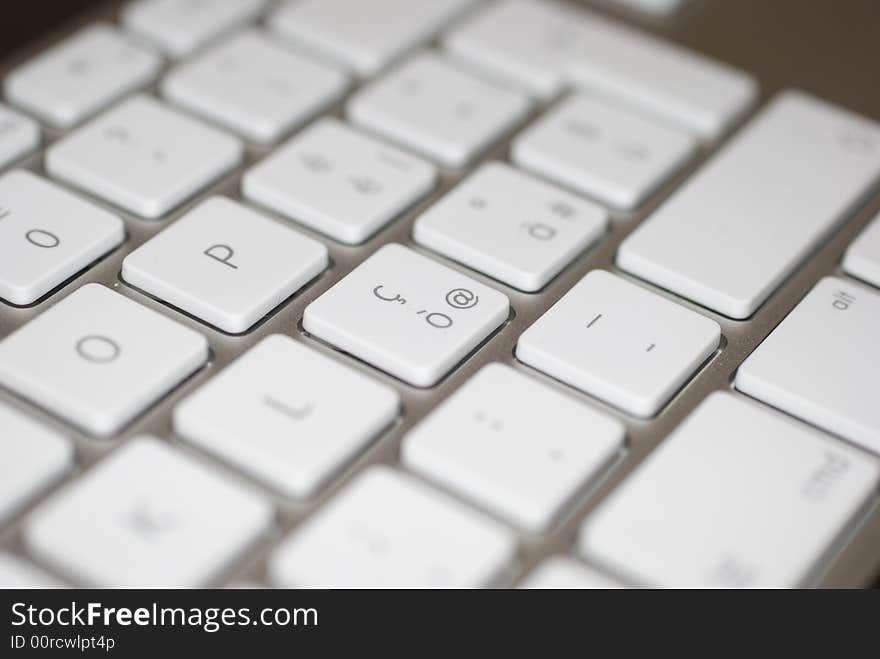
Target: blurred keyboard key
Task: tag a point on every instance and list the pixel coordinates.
(435, 108)
(487, 443)
(389, 530)
(17, 573)
(19, 135)
(287, 415)
(738, 496)
(81, 75)
(820, 363)
(364, 36)
(98, 359)
(619, 342)
(862, 259)
(741, 225)
(179, 27)
(34, 457)
(143, 156)
(603, 151)
(47, 235)
(147, 516)
(254, 86)
(407, 315)
(339, 181)
(510, 226)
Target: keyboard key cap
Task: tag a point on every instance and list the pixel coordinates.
(862, 259)
(657, 8)
(435, 108)
(179, 27)
(552, 446)
(545, 45)
(34, 457)
(746, 220)
(738, 496)
(287, 415)
(560, 572)
(388, 530)
(19, 135)
(407, 315)
(147, 516)
(820, 363)
(99, 359)
(47, 235)
(619, 342)
(225, 264)
(15, 572)
(603, 151)
(364, 36)
(254, 86)
(338, 181)
(143, 156)
(80, 75)
(511, 226)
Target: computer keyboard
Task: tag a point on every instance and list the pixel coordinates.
(430, 293)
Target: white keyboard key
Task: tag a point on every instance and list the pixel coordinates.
(287, 415)
(47, 235)
(179, 27)
(737, 496)
(147, 516)
(143, 156)
(565, 573)
(435, 108)
(602, 150)
(544, 45)
(364, 36)
(619, 342)
(862, 259)
(225, 264)
(80, 75)
(338, 181)
(746, 220)
(254, 86)
(33, 457)
(19, 135)
(551, 446)
(15, 572)
(510, 226)
(388, 530)
(407, 315)
(98, 359)
(658, 8)
(820, 363)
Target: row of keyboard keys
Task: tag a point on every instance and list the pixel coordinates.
(47, 235)
(225, 264)
(546, 46)
(364, 36)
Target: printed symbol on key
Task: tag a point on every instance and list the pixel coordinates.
(222, 254)
(462, 298)
(366, 185)
(4, 212)
(98, 349)
(387, 298)
(39, 237)
(477, 203)
(118, 134)
(295, 413)
(635, 152)
(494, 424)
(562, 209)
(539, 230)
(148, 522)
(857, 143)
(316, 163)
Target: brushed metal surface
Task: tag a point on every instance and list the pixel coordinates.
(827, 47)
